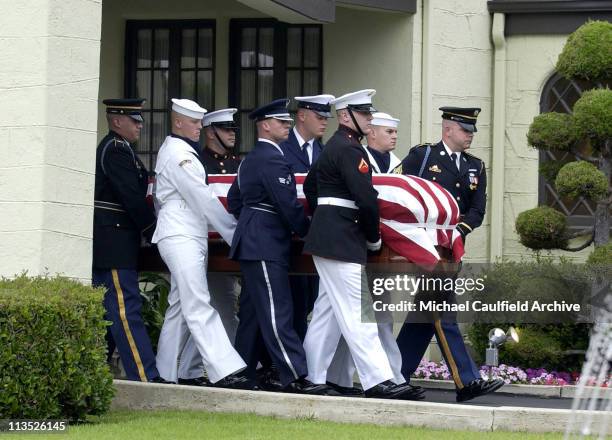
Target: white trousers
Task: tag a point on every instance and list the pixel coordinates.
(190, 311)
(342, 367)
(224, 290)
(337, 311)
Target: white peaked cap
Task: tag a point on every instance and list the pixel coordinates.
(320, 104)
(188, 108)
(223, 115)
(384, 120)
(316, 99)
(359, 98)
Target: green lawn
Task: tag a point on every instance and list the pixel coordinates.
(196, 424)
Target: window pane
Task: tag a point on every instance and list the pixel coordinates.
(143, 54)
(189, 47)
(143, 143)
(247, 55)
(205, 89)
(247, 89)
(311, 47)
(188, 85)
(143, 86)
(247, 133)
(160, 130)
(266, 47)
(293, 84)
(162, 45)
(294, 47)
(265, 80)
(311, 82)
(205, 48)
(160, 89)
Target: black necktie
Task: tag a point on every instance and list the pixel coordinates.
(454, 159)
(305, 152)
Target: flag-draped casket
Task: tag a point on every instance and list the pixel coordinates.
(417, 221)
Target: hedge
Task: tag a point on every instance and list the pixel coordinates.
(53, 357)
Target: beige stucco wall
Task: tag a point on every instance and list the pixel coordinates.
(49, 87)
(372, 50)
(461, 55)
(530, 63)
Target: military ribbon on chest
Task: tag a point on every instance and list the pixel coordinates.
(473, 179)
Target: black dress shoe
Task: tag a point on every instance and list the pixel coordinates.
(414, 393)
(389, 390)
(268, 379)
(304, 386)
(478, 387)
(196, 382)
(346, 391)
(160, 379)
(236, 382)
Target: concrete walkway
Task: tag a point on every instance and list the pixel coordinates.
(474, 416)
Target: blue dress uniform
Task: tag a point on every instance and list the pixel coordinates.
(264, 199)
(303, 288)
(121, 216)
(467, 184)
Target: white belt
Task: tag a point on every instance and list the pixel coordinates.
(335, 201)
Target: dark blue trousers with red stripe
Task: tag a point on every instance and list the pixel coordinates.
(127, 332)
(266, 314)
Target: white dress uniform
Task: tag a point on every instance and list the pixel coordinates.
(224, 292)
(187, 207)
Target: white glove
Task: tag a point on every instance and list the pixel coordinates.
(374, 246)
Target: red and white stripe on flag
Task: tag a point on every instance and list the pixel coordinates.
(416, 215)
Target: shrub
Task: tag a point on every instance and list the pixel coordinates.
(542, 228)
(553, 341)
(585, 54)
(550, 169)
(581, 178)
(53, 357)
(593, 116)
(551, 131)
(154, 291)
(601, 255)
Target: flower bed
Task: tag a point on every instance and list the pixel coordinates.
(510, 375)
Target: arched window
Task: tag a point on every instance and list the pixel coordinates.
(559, 95)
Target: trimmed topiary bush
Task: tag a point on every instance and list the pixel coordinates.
(542, 228)
(53, 355)
(593, 116)
(583, 57)
(550, 169)
(601, 256)
(581, 178)
(551, 131)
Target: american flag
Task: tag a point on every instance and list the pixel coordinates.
(416, 215)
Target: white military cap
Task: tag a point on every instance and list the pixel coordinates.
(221, 118)
(318, 103)
(384, 120)
(360, 101)
(188, 108)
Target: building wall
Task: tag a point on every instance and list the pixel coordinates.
(461, 55)
(530, 63)
(114, 16)
(372, 50)
(382, 58)
(49, 74)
